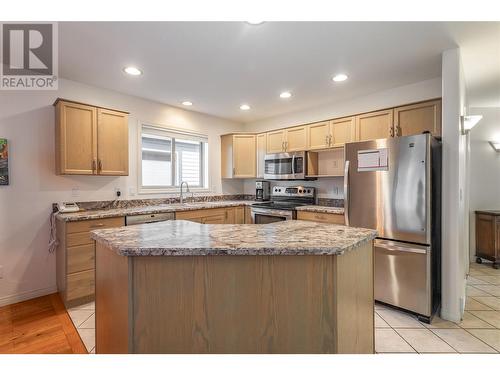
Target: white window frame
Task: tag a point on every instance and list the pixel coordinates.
(170, 131)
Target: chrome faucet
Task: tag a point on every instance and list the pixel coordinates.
(187, 191)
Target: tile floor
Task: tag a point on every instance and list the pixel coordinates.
(478, 332)
(83, 318)
(399, 332)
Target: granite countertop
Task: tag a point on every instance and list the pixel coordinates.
(186, 238)
(153, 209)
(322, 209)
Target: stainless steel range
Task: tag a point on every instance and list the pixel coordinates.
(283, 204)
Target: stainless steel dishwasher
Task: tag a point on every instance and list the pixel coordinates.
(149, 218)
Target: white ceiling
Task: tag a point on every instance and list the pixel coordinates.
(220, 65)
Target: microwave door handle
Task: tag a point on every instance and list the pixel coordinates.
(293, 165)
(346, 192)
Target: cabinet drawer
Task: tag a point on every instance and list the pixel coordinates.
(80, 238)
(80, 284)
(88, 225)
(199, 214)
(81, 258)
(321, 217)
(215, 219)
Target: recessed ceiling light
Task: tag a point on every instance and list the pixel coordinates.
(132, 70)
(286, 95)
(187, 103)
(255, 22)
(244, 107)
(339, 78)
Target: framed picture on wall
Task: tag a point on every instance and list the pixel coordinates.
(4, 162)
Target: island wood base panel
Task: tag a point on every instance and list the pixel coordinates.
(235, 304)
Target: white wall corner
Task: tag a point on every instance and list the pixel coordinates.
(454, 187)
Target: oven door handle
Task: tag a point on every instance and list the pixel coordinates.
(271, 212)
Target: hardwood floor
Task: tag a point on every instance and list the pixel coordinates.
(38, 326)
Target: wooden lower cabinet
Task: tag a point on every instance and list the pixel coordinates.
(228, 215)
(239, 215)
(75, 258)
(248, 215)
(321, 217)
(488, 236)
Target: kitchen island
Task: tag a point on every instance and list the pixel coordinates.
(183, 287)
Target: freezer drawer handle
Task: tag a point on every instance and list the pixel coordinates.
(405, 249)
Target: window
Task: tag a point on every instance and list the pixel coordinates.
(169, 157)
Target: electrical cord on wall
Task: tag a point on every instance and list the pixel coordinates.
(53, 235)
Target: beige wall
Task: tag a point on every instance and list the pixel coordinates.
(27, 121)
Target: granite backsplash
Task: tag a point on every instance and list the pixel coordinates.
(329, 202)
(99, 205)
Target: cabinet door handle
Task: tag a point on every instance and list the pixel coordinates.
(234, 171)
(94, 165)
(330, 140)
(286, 145)
(99, 164)
(391, 132)
(97, 225)
(326, 140)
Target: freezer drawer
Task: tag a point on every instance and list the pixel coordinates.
(402, 275)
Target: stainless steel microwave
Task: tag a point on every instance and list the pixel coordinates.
(285, 166)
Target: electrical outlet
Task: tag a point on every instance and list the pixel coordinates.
(75, 192)
(118, 192)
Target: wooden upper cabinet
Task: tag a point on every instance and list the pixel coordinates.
(276, 142)
(238, 158)
(261, 153)
(90, 140)
(112, 143)
(342, 131)
(296, 139)
(319, 135)
(374, 125)
(76, 135)
(416, 118)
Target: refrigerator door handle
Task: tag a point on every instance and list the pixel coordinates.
(402, 247)
(346, 192)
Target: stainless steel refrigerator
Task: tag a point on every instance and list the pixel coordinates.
(394, 186)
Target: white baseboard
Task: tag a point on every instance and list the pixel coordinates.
(451, 316)
(19, 297)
